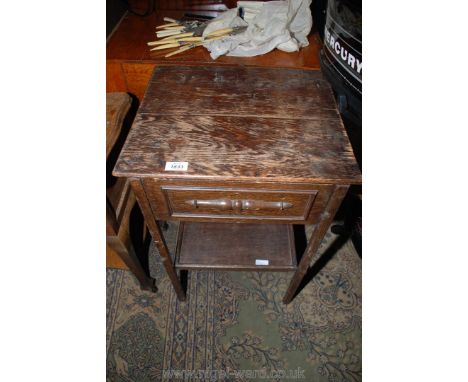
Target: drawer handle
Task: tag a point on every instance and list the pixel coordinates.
(240, 205)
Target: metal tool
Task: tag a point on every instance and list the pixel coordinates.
(198, 16)
(195, 26)
(215, 35)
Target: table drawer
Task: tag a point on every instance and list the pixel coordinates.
(239, 202)
(236, 202)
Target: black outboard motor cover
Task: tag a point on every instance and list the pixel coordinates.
(341, 63)
(341, 56)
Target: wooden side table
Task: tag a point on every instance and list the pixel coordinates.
(255, 151)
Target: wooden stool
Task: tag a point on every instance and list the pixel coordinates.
(120, 199)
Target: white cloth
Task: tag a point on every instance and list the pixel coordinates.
(278, 24)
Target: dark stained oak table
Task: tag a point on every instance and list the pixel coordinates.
(261, 149)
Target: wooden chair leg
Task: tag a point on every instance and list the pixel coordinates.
(158, 238)
(118, 238)
(131, 260)
(316, 237)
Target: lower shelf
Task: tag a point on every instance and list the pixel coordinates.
(232, 246)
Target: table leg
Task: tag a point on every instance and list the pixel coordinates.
(119, 240)
(131, 260)
(316, 237)
(158, 237)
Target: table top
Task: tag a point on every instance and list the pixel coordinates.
(129, 44)
(239, 123)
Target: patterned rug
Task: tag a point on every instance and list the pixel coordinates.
(234, 327)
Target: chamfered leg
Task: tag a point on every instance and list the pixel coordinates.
(316, 237)
(130, 259)
(118, 239)
(157, 237)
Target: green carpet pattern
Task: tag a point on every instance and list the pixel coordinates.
(234, 327)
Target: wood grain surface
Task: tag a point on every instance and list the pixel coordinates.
(117, 106)
(242, 123)
(239, 92)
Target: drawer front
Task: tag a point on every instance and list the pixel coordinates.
(176, 200)
(235, 202)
